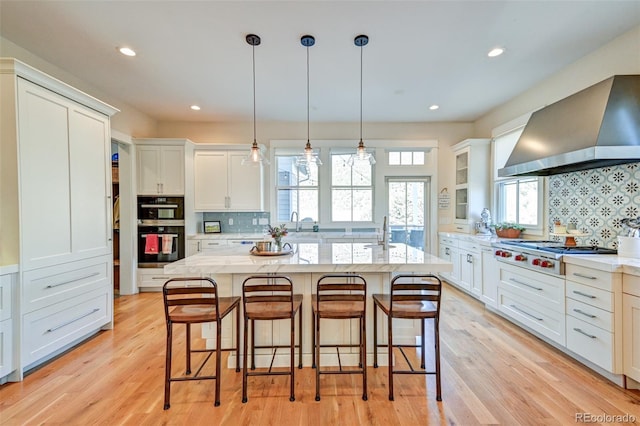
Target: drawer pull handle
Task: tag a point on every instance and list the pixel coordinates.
(526, 313)
(584, 313)
(64, 324)
(577, 274)
(579, 293)
(591, 336)
(528, 285)
(73, 280)
(159, 278)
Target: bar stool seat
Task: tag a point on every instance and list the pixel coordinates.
(340, 296)
(415, 297)
(194, 305)
(269, 298)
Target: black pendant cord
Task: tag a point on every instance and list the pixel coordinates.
(308, 138)
(253, 51)
(361, 53)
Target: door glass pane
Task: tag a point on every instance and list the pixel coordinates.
(406, 207)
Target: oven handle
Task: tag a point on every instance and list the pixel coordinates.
(159, 206)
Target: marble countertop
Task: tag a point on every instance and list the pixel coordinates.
(8, 269)
(605, 262)
(313, 257)
(485, 240)
(291, 236)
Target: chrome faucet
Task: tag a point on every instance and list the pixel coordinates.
(295, 213)
(384, 242)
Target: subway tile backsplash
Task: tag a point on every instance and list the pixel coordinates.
(596, 201)
(242, 222)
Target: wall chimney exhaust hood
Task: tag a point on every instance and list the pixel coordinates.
(596, 127)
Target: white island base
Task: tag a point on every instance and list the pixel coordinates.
(309, 262)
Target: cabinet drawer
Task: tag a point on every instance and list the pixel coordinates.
(211, 244)
(591, 277)
(469, 246)
(549, 323)
(448, 241)
(6, 291)
(52, 328)
(46, 286)
(631, 284)
(6, 347)
(152, 279)
(594, 316)
(590, 295)
(546, 291)
(590, 342)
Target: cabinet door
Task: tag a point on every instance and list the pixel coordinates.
(245, 184)
(490, 278)
(631, 338)
(172, 170)
(210, 185)
(90, 173)
(465, 261)
(45, 195)
(148, 170)
(476, 274)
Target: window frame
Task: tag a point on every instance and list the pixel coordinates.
(288, 153)
(371, 187)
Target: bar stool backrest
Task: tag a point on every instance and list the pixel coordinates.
(273, 290)
(176, 294)
(341, 288)
(416, 289)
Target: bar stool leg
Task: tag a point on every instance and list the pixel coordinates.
(300, 338)
(188, 348)
(167, 367)
(292, 351)
(313, 338)
(253, 344)
(375, 335)
(238, 338)
(390, 345)
(423, 344)
(363, 355)
(245, 360)
(218, 353)
(316, 350)
(436, 334)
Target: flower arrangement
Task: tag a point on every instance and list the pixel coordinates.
(278, 231)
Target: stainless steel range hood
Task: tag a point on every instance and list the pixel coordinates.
(596, 127)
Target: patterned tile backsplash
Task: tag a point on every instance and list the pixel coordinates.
(242, 222)
(596, 201)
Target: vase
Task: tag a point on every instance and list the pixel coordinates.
(278, 243)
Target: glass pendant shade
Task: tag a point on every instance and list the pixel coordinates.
(255, 156)
(309, 157)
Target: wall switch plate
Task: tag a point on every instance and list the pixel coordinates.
(255, 221)
(230, 221)
(263, 221)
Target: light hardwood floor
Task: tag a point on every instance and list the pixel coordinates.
(492, 373)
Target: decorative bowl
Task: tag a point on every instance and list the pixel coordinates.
(508, 233)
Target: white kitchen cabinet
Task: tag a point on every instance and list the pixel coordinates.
(152, 279)
(56, 197)
(472, 161)
(7, 346)
(631, 325)
(490, 278)
(449, 251)
(160, 168)
(222, 183)
(204, 245)
(470, 267)
(594, 320)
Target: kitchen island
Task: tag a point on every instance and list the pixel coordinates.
(229, 266)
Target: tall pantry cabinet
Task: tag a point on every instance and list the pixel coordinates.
(56, 159)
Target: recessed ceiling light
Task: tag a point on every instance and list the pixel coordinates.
(195, 107)
(434, 107)
(496, 51)
(126, 51)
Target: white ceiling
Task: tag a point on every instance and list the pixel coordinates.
(420, 53)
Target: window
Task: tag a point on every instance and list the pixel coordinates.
(296, 189)
(517, 199)
(406, 158)
(351, 190)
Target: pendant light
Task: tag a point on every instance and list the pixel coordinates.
(255, 156)
(308, 157)
(361, 153)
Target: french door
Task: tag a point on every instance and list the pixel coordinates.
(408, 208)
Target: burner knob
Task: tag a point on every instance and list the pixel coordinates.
(498, 253)
(546, 264)
(535, 262)
(506, 254)
(520, 257)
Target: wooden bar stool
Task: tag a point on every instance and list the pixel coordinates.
(413, 296)
(340, 296)
(192, 305)
(270, 298)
